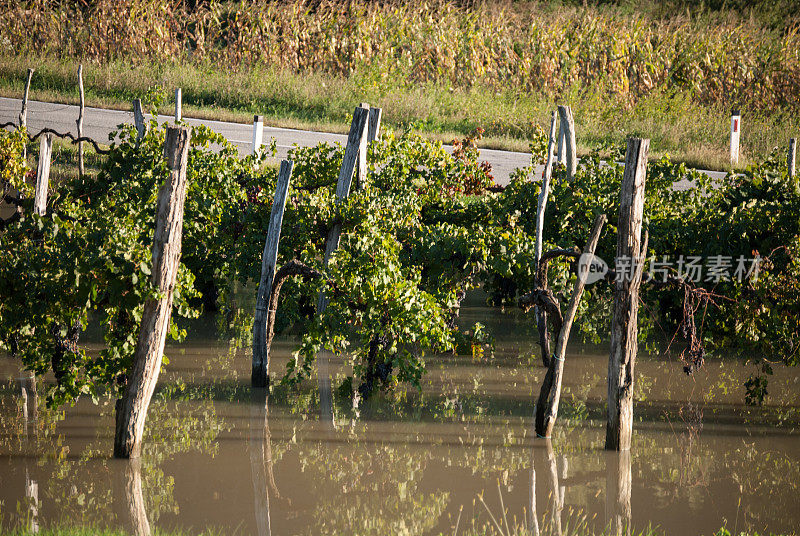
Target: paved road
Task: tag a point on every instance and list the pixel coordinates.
(98, 123)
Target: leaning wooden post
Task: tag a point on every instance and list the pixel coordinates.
(269, 259)
(178, 105)
(354, 158)
(43, 174)
(541, 316)
(132, 408)
(736, 127)
(138, 120)
(80, 120)
(23, 114)
(568, 126)
(362, 161)
(258, 132)
(790, 157)
(562, 143)
(550, 393)
(624, 330)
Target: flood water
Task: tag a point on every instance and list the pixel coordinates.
(459, 457)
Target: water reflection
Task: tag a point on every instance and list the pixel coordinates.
(413, 463)
(619, 482)
(134, 497)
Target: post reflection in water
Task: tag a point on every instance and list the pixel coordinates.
(261, 462)
(618, 492)
(533, 520)
(556, 493)
(325, 395)
(30, 414)
(134, 498)
(543, 458)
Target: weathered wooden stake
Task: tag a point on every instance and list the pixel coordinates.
(736, 127)
(624, 329)
(568, 126)
(790, 158)
(178, 105)
(562, 144)
(541, 316)
(355, 157)
(362, 161)
(544, 192)
(23, 114)
(80, 120)
(132, 408)
(43, 174)
(138, 120)
(550, 393)
(374, 131)
(258, 132)
(269, 259)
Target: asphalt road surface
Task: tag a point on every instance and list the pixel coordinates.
(98, 123)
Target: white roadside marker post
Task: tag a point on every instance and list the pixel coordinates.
(258, 132)
(736, 126)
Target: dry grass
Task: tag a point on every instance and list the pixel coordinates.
(675, 122)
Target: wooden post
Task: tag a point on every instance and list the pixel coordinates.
(258, 132)
(80, 120)
(374, 130)
(541, 316)
(354, 158)
(790, 158)
(138, 119)
(23, 114)
(178, 105)
(132, 408)
(269, 259)
(43, 174)
(568, 126)
(624, 330)
(362, 160)
(736, 127)
(543, 193)
(550, 394)
(562, 144)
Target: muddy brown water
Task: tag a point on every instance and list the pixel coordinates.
(449, 459)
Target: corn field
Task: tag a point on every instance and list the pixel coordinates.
(730, 63)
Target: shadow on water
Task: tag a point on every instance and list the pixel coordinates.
(458, 457)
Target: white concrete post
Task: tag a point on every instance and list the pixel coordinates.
(736, 127)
